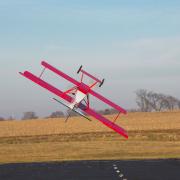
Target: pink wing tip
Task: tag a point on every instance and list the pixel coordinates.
(124, 112)
(126, 136)
(43, 62)
(21, 73)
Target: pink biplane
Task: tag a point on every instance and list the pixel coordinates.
(77, 97)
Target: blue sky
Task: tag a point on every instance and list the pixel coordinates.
(133, 44)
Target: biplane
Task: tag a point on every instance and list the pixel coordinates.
(77, 98)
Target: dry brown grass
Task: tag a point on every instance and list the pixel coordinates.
(151, 135)
(131, 122)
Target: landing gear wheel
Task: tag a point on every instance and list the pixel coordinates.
(102, 82)
(79, 69)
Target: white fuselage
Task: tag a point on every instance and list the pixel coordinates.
(78, 98)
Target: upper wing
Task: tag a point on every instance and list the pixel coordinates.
(108, 101)
(65, 76)
(105, 121)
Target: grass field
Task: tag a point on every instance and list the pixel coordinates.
(151, 135)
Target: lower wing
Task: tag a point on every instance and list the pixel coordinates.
(105, 121)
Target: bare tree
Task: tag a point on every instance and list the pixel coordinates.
(157, 101)
(29, 115)
(151, 101)
(57, 114)
(72, 113)
(172, 102)
(107, 111)
(142, 100)
(2, 119)
(11, 118)
(179, 104)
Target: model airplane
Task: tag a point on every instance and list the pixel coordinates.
(77, 97)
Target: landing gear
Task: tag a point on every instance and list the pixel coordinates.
(102, 82)
(79, 69)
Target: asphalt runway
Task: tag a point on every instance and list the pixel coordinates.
(93, 170)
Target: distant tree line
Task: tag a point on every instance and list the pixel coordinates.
(29, 115)
(56, 114)
(59, 114)
(107, 111)
(148, 101)
(9, 118)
